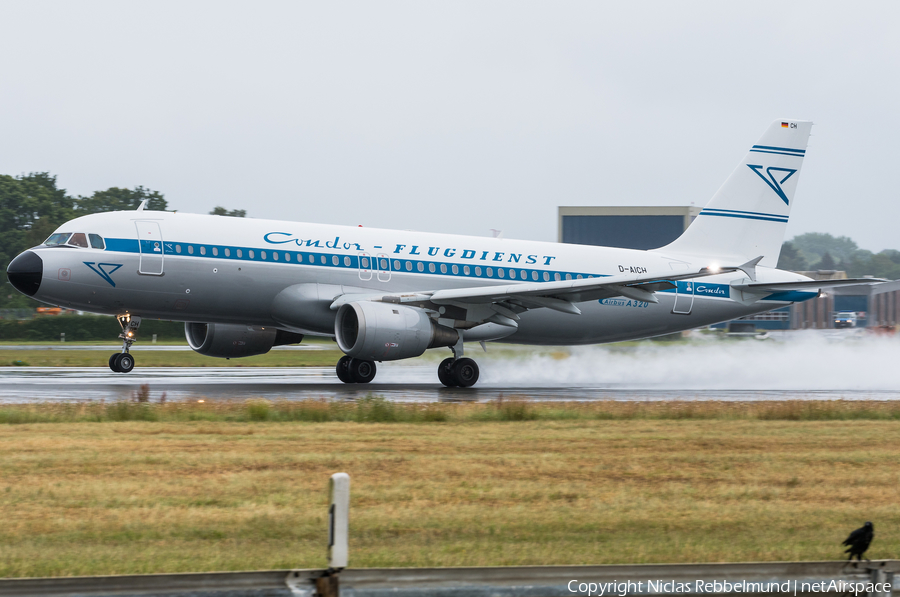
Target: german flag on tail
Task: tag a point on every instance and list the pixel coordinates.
(784, 125)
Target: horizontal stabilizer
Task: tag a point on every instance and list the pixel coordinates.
(808, 285)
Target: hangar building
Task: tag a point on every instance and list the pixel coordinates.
(624, 227)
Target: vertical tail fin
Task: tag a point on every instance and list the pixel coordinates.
(748, 214)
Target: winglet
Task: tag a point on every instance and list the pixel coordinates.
(749, 268)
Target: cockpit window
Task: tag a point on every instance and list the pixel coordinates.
(96, 241)
(58, 238)
(79, 239)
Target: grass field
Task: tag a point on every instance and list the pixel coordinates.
(492, 484)
(60, 357)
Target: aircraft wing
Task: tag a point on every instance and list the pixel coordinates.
(501, 304)
(763, 287)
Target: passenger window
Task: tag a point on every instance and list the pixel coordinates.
(556, 277)
(477, 270)
(215, 252)
(287, 256)
(275, 255)
(455, 269)
(512, 274)
(420, 266)
(409, 266)
(443, 268)
(568, 276)
(262, 254)
(227, 252)
(59, 238)
(490, 272)
(334, 260)
(252, 254)
(178, 248)
(500, 272)
(203, 250)
(96, 241)
(431, 267)
(466, 270)
(347, 261)
(240, 253)
(190, 249)
(79, 240)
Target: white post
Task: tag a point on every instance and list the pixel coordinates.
(338, 520)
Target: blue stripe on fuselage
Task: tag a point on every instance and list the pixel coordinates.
(699, 288)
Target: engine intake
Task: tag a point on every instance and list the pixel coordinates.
(388, 332)
(229, 341)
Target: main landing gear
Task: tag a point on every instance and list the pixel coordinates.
(458, 371)
(123, 362)
(454, 372)
(350, 370)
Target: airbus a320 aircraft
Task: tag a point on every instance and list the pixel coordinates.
(243, 286)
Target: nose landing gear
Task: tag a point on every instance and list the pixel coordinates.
(123, 362)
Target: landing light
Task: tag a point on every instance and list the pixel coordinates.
(714, 267)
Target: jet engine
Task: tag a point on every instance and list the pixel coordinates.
(227, 340)
(388, 332)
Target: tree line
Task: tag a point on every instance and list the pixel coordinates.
(819, 251)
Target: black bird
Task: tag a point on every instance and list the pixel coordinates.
(859, 540)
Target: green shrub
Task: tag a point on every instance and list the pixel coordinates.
(375, 409)
(259, 410)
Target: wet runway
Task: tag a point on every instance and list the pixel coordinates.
(800, 366)
(404, 383)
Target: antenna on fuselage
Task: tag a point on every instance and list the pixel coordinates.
(143, 205)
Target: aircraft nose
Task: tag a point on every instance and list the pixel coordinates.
(25, 272)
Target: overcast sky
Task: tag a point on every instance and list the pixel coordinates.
(457, 116)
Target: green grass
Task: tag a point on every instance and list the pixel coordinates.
(376, 409)
(60, 357)
(169, 494)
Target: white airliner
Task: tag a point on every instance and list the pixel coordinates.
(243, 286)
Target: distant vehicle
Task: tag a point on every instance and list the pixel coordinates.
(845, 319)
(50, 310)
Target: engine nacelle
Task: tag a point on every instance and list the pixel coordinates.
(229, 341)
(388, 332)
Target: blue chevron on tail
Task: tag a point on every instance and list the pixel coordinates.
(747, 216)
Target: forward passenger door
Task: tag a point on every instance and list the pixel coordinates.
(150, 245)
